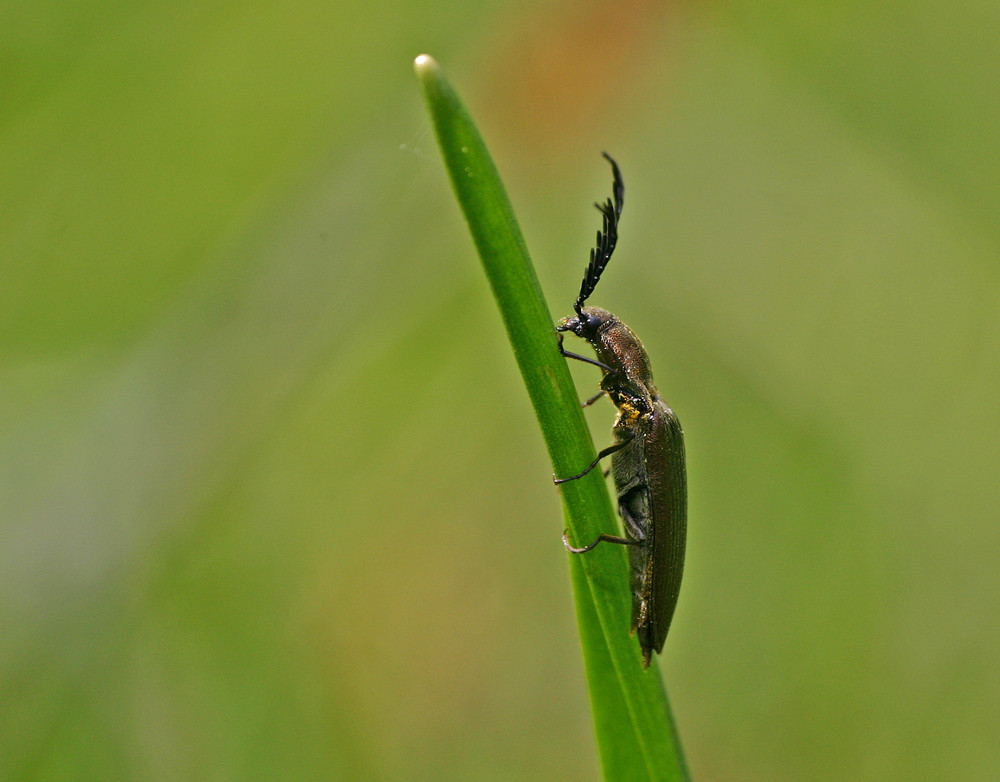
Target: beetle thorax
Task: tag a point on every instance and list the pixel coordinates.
(615, 344)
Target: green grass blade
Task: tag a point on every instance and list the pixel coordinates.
(635, 732)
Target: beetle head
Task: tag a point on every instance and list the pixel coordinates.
(587, 323)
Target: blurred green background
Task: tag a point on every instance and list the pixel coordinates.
(273, 504)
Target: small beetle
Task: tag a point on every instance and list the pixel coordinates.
(647, 456)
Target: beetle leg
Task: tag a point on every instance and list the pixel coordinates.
(602, 537)
(606, 452)
(578, 357)
(593, 399)
(633, 507)
(593, 361)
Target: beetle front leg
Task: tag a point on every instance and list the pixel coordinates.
(578, 357)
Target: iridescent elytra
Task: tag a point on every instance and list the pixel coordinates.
(647, 455)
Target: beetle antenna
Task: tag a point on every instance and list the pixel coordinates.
(607, 237)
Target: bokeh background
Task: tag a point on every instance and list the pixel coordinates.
(273, 504)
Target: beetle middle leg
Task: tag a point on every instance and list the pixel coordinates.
(603, 537)
(605, 452)
(627, 434)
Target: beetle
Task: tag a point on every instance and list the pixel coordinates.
(647, 455)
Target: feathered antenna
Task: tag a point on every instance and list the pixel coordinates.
(607, 237)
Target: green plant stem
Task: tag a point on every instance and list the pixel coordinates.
(635, 732)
